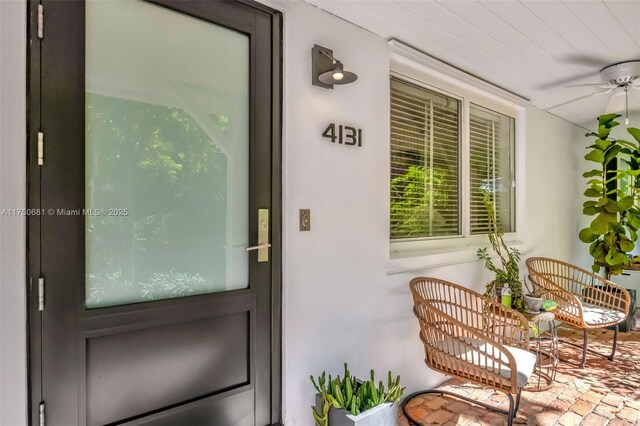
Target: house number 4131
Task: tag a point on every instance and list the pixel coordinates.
(346, 135)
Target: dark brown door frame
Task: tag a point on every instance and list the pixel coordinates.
(34, 197)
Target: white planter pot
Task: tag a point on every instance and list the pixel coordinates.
(532, 303)
(382, 415)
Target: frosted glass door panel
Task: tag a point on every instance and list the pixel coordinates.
(167, 155)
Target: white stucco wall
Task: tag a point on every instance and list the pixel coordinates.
(340, 304)
(13, 346)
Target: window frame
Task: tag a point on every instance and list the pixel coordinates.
(460, 157)
(414, 72)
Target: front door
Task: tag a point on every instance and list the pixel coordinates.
(154, 248)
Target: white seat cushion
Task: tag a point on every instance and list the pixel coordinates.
(525, 360)
(594, 315)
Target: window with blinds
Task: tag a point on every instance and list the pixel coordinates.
(491, 168)
(425, 146)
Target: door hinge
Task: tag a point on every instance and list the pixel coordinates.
(40, 149)
(40, 21)
(42, 414)
(41, 294)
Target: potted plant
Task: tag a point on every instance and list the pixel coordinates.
(612, 194)
(532, 299)
(353, 402)
(509, 271)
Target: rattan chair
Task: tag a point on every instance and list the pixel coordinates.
(471, 337)
(585, 300)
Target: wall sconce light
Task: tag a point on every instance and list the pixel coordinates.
(324, 72)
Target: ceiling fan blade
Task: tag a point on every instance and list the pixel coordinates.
(577, 99)
(585, 61)
(616, 102)
(568, 80)
(603, 85)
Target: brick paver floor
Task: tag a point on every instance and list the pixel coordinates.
(605, 393)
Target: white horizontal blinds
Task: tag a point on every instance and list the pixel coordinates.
(424, 163)
(491, 142)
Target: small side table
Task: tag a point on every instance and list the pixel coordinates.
(545, 346)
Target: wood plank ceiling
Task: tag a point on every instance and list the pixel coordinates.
(533, 48)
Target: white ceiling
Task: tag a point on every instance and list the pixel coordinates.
(532, 48)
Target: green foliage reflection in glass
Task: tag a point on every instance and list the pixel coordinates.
(412, 195)
(158, 163)
(613, 232)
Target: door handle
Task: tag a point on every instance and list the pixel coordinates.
(259, 247)
(263, 236)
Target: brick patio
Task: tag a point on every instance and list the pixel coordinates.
(604, 393)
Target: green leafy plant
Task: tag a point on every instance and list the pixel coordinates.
(352, 394)
(415, 196)
(612, 194)
(509, 270)
(531, 290)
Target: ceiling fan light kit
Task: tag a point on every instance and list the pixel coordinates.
(621, 73)
(617, 79)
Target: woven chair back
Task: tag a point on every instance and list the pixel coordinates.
(462, 333)
(570, 286)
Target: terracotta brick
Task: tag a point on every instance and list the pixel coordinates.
(467, 420)
(493, 419)
(545, 398)
(559, 405)
(521, 420)
(439, 417)
(457, 407)
(501, 403)
(479, 395)
(473, 410)
(570, 419)
(419, 412)
(605, 410)
(415, 402)
(628, 413)
(593, 420)
(613, 400)
(545, 418)
(581, 385)
(605, 393)
(436, 403)
(564, 378)
(592, 396)
(618, 422)
(633, 403)
(531, 409)
(582, 407)
(570, 395)
(402, 420)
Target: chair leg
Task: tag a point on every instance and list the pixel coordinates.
(517, 402)
(585, 340)
(511, 413)
(585, 349)
(615, 343)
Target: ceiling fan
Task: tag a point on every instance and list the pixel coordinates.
(617, 79)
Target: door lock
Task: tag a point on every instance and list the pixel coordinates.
(305, 219)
